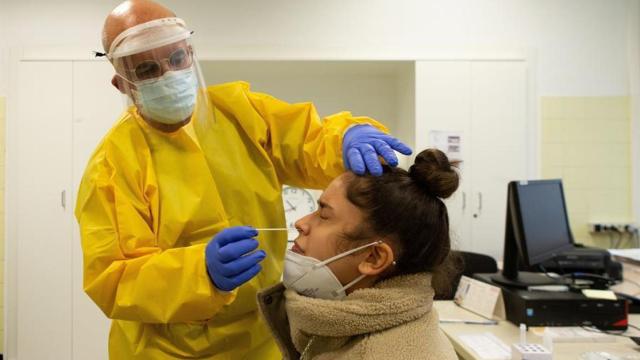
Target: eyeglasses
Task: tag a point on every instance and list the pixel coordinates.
(179, 59)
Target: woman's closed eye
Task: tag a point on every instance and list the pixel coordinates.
(322, 213)
(324, 210)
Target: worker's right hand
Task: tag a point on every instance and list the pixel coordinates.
(228, 263)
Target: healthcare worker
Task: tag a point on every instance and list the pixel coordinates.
(166, 198)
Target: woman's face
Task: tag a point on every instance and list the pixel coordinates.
(321, 234)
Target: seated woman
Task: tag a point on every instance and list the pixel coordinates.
(359, 281)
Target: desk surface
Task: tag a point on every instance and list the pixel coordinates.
(509, 334)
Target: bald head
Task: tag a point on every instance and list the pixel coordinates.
(128, 14)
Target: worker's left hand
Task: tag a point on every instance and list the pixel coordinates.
(361, 146)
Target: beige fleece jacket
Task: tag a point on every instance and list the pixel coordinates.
(392, 320)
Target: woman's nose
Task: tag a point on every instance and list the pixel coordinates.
(302, 225)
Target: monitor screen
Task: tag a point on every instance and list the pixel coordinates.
(544, 222)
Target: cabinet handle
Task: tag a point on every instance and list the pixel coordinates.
(63, 199)
(479, 202)
(464, 200)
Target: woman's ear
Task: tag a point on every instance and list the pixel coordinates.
(379, 259)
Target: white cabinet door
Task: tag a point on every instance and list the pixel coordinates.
(443, 103)
(63, 111)
(487, 102)
(43, 219)
(499, 144)
(96, 107)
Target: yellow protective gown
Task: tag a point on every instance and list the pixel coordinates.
(148, 204)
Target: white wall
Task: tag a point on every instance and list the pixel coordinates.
(580, 44)
(4, 49)
(633, 53)
(364, 88)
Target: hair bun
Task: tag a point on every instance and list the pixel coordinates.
(433, 171)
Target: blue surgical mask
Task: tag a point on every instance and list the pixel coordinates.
(169, 99)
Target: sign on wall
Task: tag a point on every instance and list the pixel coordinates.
(449, 142)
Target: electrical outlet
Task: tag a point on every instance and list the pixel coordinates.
(613, 227)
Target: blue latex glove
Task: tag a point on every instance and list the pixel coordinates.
(361, 146)
(226, 257)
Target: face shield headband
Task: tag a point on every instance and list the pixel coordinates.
(147, 36)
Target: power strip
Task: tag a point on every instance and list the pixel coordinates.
(617, 227)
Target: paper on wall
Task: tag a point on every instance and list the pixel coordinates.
(449, 142)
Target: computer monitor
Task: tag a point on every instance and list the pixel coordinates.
(537, 229)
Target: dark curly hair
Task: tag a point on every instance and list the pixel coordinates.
(407, 207)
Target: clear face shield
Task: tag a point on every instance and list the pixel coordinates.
(160, 74)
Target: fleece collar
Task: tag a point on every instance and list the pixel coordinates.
(390, 303)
